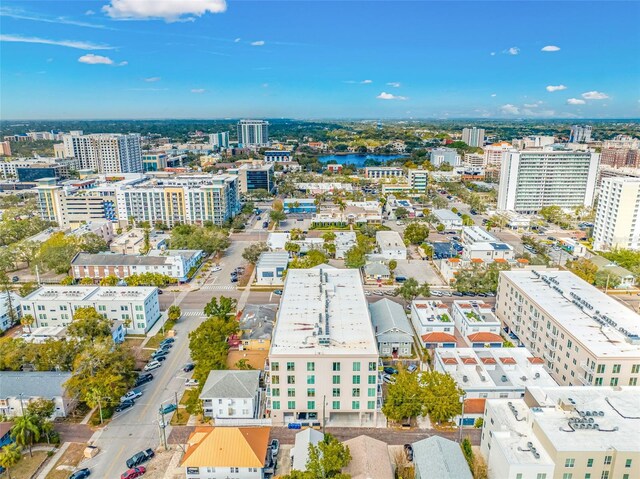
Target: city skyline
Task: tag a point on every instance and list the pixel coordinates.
(214, 59)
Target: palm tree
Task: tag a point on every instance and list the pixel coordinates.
(10, 455)
(27, 320)
(25, 431)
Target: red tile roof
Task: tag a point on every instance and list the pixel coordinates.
(474, 406)
(535, 360)
(468, 360)
(438, 337)
(507, 360)
(449, 360)
(488, 360)
(485, 338)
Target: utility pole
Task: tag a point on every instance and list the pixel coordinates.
(163, 429)
(21, 404)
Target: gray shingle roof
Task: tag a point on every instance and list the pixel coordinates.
(376, 269)
(257, 321)
(441, 458)
(231, 384)
(369, 459)
(46, 384)
(389, 317)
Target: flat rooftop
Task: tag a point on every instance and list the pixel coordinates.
(446, 215)
(493, 368)
(89, 293)
(323, 311)
(475, 311)
(270, 259)
(389, 240)
(599, 322)
(431, 312)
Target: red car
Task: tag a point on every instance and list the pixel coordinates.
(133, 473)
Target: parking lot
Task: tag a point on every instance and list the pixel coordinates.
(421, 271)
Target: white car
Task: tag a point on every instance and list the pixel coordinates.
(366, 293)
(191, 383)
(151, 365)
(216, 269)
(388, 378)
(131, 395)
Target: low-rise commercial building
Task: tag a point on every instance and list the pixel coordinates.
(476, 234)
(255, 176)
(585, 336)
(489, 252)
(563, 432)
(448, 218)
(299, 205)
(390, 245)
(271, 267)
(137, 307)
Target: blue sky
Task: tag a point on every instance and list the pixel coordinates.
(319, 59)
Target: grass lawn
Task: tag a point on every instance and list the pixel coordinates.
(187, 394)
(27, 465)
(71, 458)
(154, 342)
(180, 417)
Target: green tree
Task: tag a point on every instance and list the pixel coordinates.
(209, 346)
(401, 212)
(329, 236)
(27, 288)
(41, 408)
(428, 250)
(66, 281)
(86, 281)
(27, 251)
(89, 325)
(92, 243)
(442, 396)
(584, 269)
(146, 241)
(109, 281)
(327, 459)
(393, 264)
(174, 313)
(440, 228)
(277, 216)
(406, 398)
(220, 309)
(296, 234)
(25, 431)
(411, 289)
(10, 456)
(605, 279)
(312, 258)
(57, 252)
(292, 247)
(355, 257)
(416, 233)
(27, 320)
(210, 239)
(252, 252)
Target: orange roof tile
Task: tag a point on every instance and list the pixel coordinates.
(522, 260)
(438, 337)
(454, 260)
(488, 360)
(485, 338)
(474, 405)
(507, 360)
(227, 447)
(477, 260)
(468, 360)
(535, 360)
(500, 260)
(449, 360)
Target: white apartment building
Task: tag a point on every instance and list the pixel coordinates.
(418, 180)
(431, 316)
(584, 336)
(489, 252)
(473, 160)
(491, 373)
(54, 306)
(473, 136)
(323, 356)
(493, 153)
(383, 172)
(444, 155)
(476, 323)
(105, 153)
(253, 133)
(391, 245)
(616, 224)
(530, 180)
(9, 301)
(536, 141)
(580, 134)
(563, 433)
(231, 394)
(19, 388)
(476, 234)
(219, 140)
(191, 199)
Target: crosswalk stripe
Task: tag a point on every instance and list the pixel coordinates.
(193, 313)
(217, 287)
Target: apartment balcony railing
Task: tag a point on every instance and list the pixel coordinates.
(590, 368)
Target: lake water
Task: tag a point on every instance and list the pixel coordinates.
(357, 159)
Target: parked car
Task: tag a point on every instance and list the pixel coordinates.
(378, 293)
(401, 279)
(367, 292)
(143, 379)
(411, 368)
(259, 218)
(124, 405)
(80, 474)
(159, 291)
(131, 395)
(152, 365)
(159, 354)
(167, 340)
(457, 293)
(215, 269)
(390, 370)
(275, 447)
(265, 224)
(188, 367)
(408, 450)
(168, 408)
(234, 279)
(387, 378)
(133, 473)
(15, 279)
(140, 457)
(278, 292)
(191, 383)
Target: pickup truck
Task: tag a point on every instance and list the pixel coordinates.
(140, 457)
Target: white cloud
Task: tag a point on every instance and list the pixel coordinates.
(366, 82)
(61, 43)
(531, 105)
(493, 95)
(512, 51)
(198, 90)
(152, 79)
(168, 10)
(594, 95)
(493, 54)
(237, 40)
(394, 84)
(550, 48)
(388, 96)
(575, 101)
(552, 88)
(258, 43)
(510, 109)
(89, 12)
(22, 15)
(92, 59)
(123, 64)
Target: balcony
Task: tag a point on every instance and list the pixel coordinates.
(552, 335)
(588, 368)
(585, 381)
(548, 356)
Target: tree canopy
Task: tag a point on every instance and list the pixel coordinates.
(210, 239)
(416, 233)
(252, 252)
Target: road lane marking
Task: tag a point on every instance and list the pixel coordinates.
(114, 461)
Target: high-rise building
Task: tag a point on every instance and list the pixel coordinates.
(493, 153)
(219, 140)
(580, 134)
(473, 136)
(255, 177)
(323, 361)
(253, 133)
(616, 224)
(620, 157)
(531, 180)
(105, 153)
(532, 142)
(445, 155)
(5, 148)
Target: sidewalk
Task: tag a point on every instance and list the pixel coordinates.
(53, 460)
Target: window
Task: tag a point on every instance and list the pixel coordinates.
(372, 366)
(291, 366)
(275, 366)
(589, 462)
(356, 379)
(311, 379)
(311, 392)
(569, 462)
(311, 404)
(291, 404)
(275, 392)
(336, 366)
(616, 368)
(519, 475)
(604, 475)
(627, 463)
(336, 379)
(372, 380)
(356, 366)
(275, 405)
(633, 382)
(371, 392)
(291, 379)
(625, 476)
(355, 404)
(336, 405)
(613, 382)
(234, 469)
(371, 404)
(291, 392)
(587, 475)
(275, 379)
(607, 460)
(311, 366)
(355, 392)
(567, 475)
(541, 475)
(598, 382)
(336, 392)
(635, 369)
(600, 369)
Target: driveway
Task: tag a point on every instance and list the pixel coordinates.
(70, 432)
